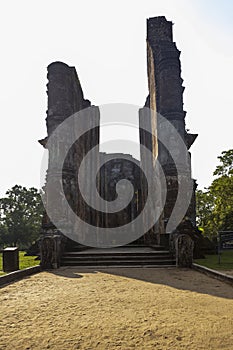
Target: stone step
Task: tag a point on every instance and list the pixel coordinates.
(117, 255)
(121, 256)
(79, 248)
(115, 259)
(123, 266)
(106, 262)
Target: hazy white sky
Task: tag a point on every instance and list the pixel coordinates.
(105, 41)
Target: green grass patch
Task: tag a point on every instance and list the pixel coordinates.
(211, 261)
(24, 262)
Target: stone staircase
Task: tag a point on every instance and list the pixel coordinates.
(127, 256)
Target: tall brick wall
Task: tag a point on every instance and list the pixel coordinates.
(65, 97)
(166, 97)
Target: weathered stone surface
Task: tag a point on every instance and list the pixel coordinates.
(166, 98)
(123, 167)
(65, 97)
(50, 251)
(113, 171)
(184, 250)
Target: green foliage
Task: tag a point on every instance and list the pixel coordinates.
(20, 216)
(226, 166)
(211, 261)
(215, 205)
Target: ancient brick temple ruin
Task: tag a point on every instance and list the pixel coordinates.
(65, 97)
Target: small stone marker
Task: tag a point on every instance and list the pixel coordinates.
(10, 259)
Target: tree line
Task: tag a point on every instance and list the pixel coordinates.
(215, 203)
(21, 213)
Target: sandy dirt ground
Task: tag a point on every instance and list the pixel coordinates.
(128, 308)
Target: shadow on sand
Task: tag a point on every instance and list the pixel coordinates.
(183, 279)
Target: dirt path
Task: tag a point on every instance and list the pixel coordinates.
(117, 309)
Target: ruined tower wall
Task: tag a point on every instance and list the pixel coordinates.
(168, 92)
(65, 97)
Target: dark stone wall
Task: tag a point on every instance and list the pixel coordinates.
(65, 97)
(121, 168)
(166, 97)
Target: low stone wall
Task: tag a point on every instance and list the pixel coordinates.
(17, 275)
(213, 273)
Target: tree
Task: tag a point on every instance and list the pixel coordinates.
(20, 216)
(215, 205)
(226, 164)
(205, 205)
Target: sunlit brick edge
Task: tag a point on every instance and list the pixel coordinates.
(19, 274)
